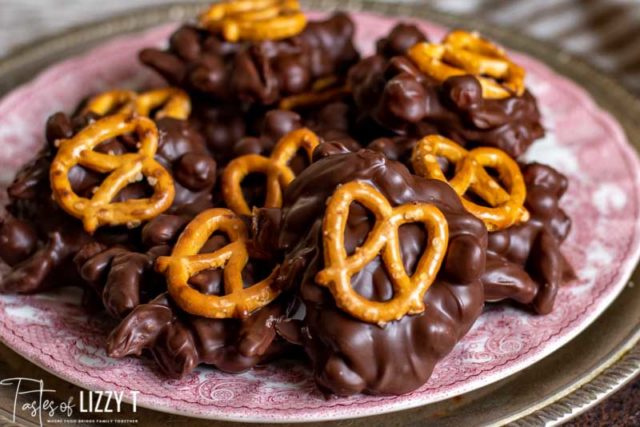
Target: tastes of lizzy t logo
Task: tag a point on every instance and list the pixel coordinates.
(32, 399)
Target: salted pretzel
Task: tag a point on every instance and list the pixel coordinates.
(382, 240)
(186, 261)
(323, 91)
(112, 102)
(123, 170)
(254, 20)
(506, 208)
(169, 102)
(463, 53)
(275, 167)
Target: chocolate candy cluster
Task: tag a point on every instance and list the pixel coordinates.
(263, 72)
(365, 135)
(524, 262)
(393, 94)
(350, 356)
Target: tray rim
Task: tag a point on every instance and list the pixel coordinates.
(622, 364)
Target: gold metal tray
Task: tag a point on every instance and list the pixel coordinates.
(585, 371)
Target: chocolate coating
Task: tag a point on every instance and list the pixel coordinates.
(40, 251)
(39, 240)
(395, 96)
(255, 72)
(524, 263)
(333, 122)
(179, 342)
(121, 278)
(183, 151)
(163, 229)
(275, 125)
(350, 356)
(401, 37)
(398, 148)
(221, 127)
(18, 240)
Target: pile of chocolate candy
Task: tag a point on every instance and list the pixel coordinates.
(286, 198)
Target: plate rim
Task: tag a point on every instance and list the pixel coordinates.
(611, 374)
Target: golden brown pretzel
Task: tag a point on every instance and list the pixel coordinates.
(186, 261)
(169, 102)
(255, 20)
(463, 53)
(112, 102)
(504, 208)
(275, 167)
(383, 240)
(123, 170)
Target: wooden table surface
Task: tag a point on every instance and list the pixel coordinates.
(605, 32)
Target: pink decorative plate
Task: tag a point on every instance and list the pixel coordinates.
(584, 142)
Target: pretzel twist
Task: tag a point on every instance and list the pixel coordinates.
(463, 53)
(323, 91)
(275, 167)
(382, 240)
(186, 261)
(254, 20)
(506, 208)
(169, 102)
(123, 170)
